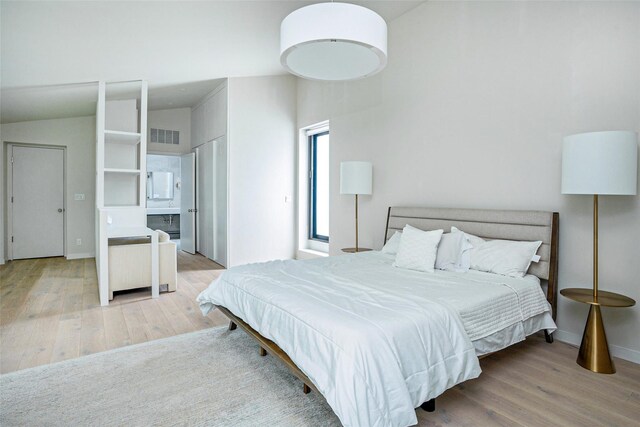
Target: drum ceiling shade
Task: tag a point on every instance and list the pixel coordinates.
(333, 41)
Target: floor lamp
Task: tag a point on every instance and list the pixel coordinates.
(598, 163)
(356, 178)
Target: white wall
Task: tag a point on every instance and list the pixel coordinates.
(78, 136)
(262, 136)
(471, 111)
(174, 119)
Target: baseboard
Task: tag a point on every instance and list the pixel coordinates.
(1, 261)
(615, 350)
(81, 255)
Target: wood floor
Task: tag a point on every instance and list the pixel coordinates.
(50, 310)
(538, 384)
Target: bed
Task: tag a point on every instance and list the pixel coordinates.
(378, 341)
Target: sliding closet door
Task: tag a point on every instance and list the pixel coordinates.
(212, 200)
(188, 203)
(220, 204)
(205, 199)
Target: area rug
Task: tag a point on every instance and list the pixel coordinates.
(212, 377)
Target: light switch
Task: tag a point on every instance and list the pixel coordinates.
(78, 196)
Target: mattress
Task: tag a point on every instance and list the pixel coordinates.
(376, 340)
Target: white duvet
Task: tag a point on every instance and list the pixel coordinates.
(377, 341)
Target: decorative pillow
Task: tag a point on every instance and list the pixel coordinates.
(506, 257)
(418, 249)
(392, 245)
(449, 251)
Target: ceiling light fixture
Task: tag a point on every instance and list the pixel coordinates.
(333, 41)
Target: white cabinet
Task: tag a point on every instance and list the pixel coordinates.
(197, 126)
(208, 139)
(209, 114)
(219, 118)
(209, 119)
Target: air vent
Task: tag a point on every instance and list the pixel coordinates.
(163, 136)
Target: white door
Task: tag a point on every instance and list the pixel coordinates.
(38, 202)
(188, 203)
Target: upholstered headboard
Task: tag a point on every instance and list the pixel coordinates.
(491, 224)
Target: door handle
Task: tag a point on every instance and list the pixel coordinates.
(60, 210)
(192, 210)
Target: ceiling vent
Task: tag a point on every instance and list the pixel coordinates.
(163, 136)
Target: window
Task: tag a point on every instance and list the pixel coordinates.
(319, 186)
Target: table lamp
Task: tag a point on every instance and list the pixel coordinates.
(356, 178)
(598, 163)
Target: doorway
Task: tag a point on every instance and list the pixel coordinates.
(36, 201)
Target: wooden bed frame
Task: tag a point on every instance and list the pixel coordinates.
(268, 346)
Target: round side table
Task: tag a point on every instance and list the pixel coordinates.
(353, 250)
(594, 350)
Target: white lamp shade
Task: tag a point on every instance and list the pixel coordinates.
(356, 178)
(600, 163)
(333, 41)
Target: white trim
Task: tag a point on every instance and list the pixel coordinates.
(615, 350)
(316, 245)
(81, 255)
(310, 254)
(316, 128)
(302, 184)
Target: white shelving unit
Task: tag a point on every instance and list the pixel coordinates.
(126, 171)
(122, 137)
(121, 172)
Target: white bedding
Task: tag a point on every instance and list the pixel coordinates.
(377, 341)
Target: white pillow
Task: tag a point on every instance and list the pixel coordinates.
(418, 249)
(467, 246)
(449, 251)
(506, 257)
(392, 245)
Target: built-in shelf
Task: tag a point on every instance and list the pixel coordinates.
(121, 137)
(121, 147)
(123, 171)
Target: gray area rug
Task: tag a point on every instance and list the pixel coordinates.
(211, 377)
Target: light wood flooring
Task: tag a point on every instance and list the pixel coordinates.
(50, 310)
(538, 384)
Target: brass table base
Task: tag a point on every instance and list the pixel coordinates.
(353, 250)
(594, 350)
